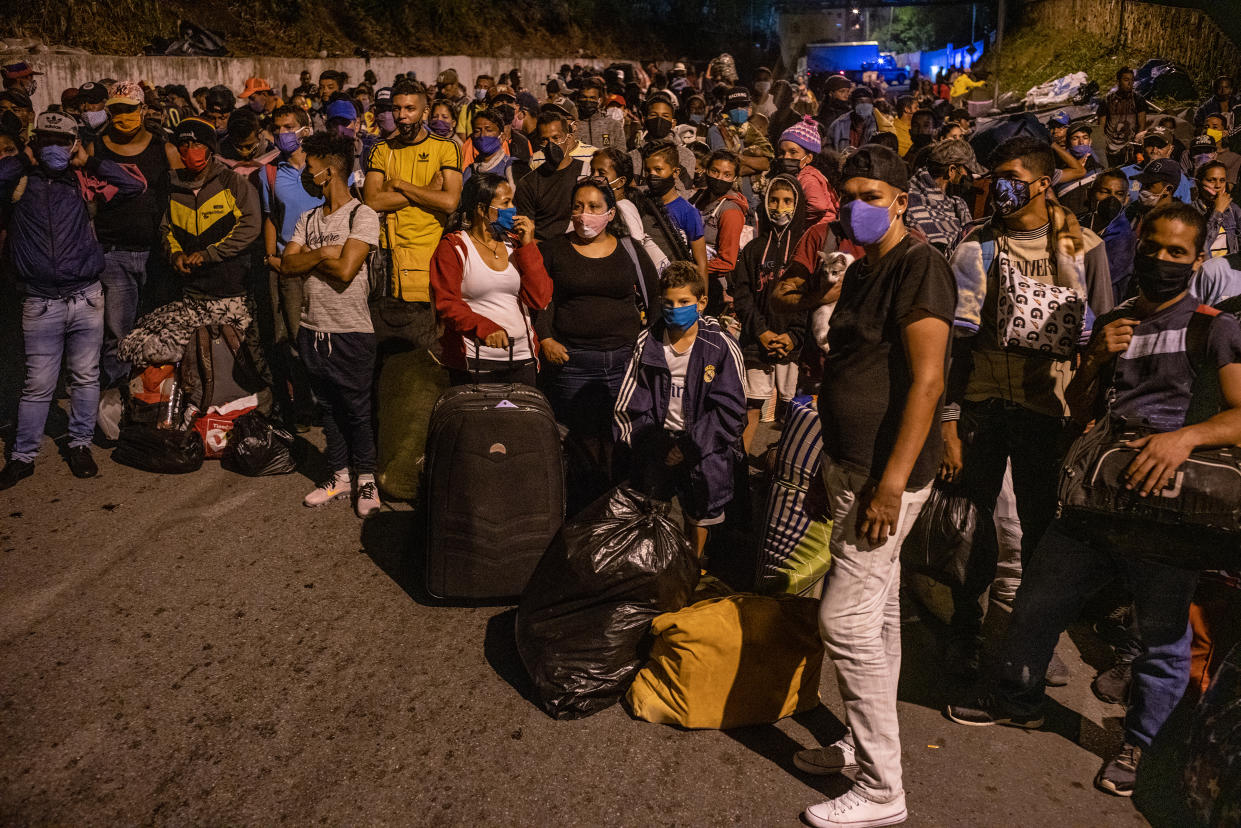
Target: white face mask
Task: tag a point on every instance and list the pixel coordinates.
(1148, 198)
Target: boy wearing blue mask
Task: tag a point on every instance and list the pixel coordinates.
(682, 405)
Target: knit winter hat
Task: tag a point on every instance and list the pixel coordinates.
(805, 134)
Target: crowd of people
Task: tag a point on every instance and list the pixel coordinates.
(673, 256)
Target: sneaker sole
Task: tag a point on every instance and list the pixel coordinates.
(1109, 788)
(1033, 724)
(894, 819)
(819, 770)
(341, 496)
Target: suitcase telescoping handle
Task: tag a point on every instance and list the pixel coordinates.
(478, 360)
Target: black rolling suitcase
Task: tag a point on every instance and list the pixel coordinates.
(495, 489)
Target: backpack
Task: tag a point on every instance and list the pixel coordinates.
(747, 230)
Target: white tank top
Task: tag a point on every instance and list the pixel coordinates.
(495, 295)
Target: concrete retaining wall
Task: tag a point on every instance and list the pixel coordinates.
(64, 71)
(1187, 35)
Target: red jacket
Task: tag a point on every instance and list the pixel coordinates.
(452, 311)
(728, 233)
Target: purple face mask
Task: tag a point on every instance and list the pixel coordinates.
(386, 122)
(864, 223)
(345, 132)
(440, 127)
(288, 142)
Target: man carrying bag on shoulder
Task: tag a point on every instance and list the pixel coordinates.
(1152, 348)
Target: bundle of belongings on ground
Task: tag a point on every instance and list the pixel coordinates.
(616, 608)
(211, 404)
(1057, 91)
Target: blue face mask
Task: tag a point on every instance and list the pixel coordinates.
(738, 116)
(864, 110)
(864, 223)
(682, 317)
(1081, 150)
(54, 157)
(487, 144)
(696, 117)
(505, 217)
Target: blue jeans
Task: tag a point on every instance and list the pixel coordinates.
(72, 328)
(584, 389)
(1058, 579)
(124, 274)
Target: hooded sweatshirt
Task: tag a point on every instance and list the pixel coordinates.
(761, 265)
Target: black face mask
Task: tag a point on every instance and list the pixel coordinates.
(788, 166)
(1105, 211)
(659, 187)
(309, 185)
(717, 186)
(553, 154)
(657, 128)
(1160, 280)
(586, 108)
(407, 131)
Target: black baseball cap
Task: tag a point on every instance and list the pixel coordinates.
(879, 163)
(1157, 137)
(739, 98)
(92, 93)
(1161, 169)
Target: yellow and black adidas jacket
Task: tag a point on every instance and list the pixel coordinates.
(222, 220)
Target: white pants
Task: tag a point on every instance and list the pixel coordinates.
(860, 621)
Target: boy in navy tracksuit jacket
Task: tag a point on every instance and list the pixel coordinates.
(682, 404)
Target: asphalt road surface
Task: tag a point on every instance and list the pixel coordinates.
(204, 650)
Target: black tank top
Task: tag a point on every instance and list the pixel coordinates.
(133, 223)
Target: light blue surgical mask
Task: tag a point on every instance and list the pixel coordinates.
(864, 110)
(738, 116)
(681, 318)
(696, 117)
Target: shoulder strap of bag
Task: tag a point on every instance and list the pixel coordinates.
(1204, 398)
(270, 169)
(988, 255)
(627, 243)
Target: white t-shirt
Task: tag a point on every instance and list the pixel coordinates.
(495, 294)
(328, 305)
(678, 366)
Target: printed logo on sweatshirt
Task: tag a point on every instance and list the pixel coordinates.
(708, 373)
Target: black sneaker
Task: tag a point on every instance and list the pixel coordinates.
(1117, 776)
(988, 711)
(1112, 684)
(80, 462)
(14, 471)
(1057, 672)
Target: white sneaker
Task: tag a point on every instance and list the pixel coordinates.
(852, 810)
(334, 488)
(368, 496)
(824, 761)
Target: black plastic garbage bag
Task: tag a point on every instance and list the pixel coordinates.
(257, 446)
(159, 450)
(940, 541)
(1160, 78)
(584, 618)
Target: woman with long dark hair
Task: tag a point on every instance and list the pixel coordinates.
(484, 276)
